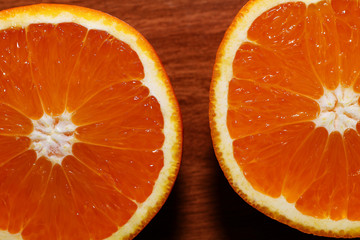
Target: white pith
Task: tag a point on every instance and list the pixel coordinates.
(223, 143)
(52, 137)
(339, 110)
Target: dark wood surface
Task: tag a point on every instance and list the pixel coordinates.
(186, 35)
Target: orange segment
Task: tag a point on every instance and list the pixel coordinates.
(98, 202)
(13, 123)
(281, 57)
(119, 168)
(327, 195)
(54, 50)
(26, 200)
(347, 13)
(64, 221)
(16, 84)
(348, 43)
(104, 61)
(266, 155)
(117, 100)
(281, 28)
(263, 65)
(322, 40)
(299, 34)
(140, 129)
(347, 22)
(304, 165)
(256, 107)
(352, 144)
(11, 146)
(11, 174)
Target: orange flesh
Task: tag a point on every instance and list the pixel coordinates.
(47, 68)
(294, 53)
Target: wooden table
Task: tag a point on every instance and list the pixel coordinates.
(186, 35)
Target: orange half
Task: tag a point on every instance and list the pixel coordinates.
(90, 129)
(284, 112)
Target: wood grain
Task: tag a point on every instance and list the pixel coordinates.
(186, 35)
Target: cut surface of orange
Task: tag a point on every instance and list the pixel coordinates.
(284, 112)
(90, 129)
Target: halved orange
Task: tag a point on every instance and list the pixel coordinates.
(284, 112)
(90, 129)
